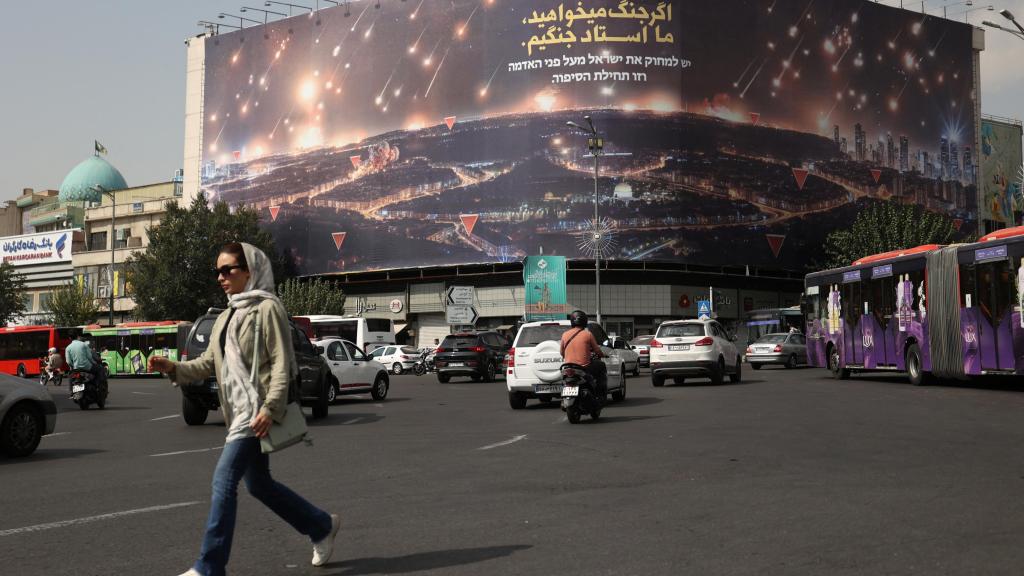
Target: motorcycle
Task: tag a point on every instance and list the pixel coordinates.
(424, 364)
(86, 389)
(578, 394)
(55, 377)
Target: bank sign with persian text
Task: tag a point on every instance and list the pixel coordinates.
(30, 249)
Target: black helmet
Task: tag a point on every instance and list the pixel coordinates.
(578, 318)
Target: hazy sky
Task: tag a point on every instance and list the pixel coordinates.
(114, 71)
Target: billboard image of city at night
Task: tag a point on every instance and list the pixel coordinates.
(435, 133)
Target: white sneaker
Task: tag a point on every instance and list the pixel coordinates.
(323, 549)
(191, 572)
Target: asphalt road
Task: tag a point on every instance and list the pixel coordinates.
(788, 472)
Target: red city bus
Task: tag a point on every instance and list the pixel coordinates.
(22, 348)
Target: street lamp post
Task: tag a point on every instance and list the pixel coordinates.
(113, 233)
(1009, 16)
(595, 142)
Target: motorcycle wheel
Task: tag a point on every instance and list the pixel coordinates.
(573, 414)
(596, 412)
(419, 370)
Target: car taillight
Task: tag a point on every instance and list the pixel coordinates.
(645, 351)
(705, 341)
(778, 347)
(656, 344)
(750, 350)
(439, 350)
(477, 349)
(510, 358)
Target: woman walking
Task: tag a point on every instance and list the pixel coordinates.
(244, 273)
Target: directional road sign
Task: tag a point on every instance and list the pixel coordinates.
(459, 296)
(461, 315)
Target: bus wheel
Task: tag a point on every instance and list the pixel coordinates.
(915, 369)
(834, 365)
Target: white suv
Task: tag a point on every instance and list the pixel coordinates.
(533, 368)
(699, 348)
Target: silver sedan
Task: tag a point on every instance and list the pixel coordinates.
(786, 349)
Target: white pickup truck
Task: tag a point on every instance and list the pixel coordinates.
(535, 359)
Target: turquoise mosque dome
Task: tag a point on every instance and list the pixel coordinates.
(79, 185)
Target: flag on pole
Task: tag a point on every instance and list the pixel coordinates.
(100, 148)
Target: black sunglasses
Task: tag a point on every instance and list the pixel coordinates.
(225, 270)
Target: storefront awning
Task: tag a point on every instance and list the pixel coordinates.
(399, 326)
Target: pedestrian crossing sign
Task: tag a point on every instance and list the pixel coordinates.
(704, 309)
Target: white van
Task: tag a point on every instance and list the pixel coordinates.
(367, 333)
(534, 363)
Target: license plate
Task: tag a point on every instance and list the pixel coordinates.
(571, 391)
(78, 388)
(762, 349)
(456, 364)
(547, 388)
(679, 348)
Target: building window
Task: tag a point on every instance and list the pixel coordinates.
(121, 239)
(98, 241)
(44, 301)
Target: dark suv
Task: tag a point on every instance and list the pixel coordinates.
(199, 398)
(479, 355)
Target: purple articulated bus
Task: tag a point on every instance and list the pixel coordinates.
(931, 311)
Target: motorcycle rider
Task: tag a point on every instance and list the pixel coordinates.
(79, 354)
(54, 362)
(580, 347)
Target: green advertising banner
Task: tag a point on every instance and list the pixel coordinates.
(999, 196)
(544, 277)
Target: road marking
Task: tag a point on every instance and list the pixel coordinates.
(562, 419)
(354, 420)
(56, 434)
(165, 417)
(144, 393)
(185, 452)
(505, 443)
(87, 519)
(379, 405)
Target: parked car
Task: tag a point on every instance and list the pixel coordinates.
(199, 398)
(535, 359)
(642, 345)
(626, 352)
(478, 355)
(700, 348)
(352, 371)
(398, 359)
(27, 413)
(786, 349)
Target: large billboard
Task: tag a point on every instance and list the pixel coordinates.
(1001, 172)
(431, 133)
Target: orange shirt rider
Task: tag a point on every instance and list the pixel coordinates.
(577, 346)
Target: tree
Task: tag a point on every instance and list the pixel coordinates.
(313, 297)
(173, 279)
(887, 226)
(71, 305)
(12, 293)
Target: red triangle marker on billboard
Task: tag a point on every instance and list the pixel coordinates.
(339, 238)
(469, 221)
(801, 176)
(775, 241)
(957, 223)
(236, 154)
(356, 160)
(274, 211)
(450, 121)
(876, 174)
(755, 118)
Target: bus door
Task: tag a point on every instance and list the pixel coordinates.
(852, 309)
(993, 296)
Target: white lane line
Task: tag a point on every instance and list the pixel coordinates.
(379, 405)
(562, 419)
(354, 420)
(56, 434)
(87, 519)
(165, 417)
(185, 452)
(144, 393)
(505, 443)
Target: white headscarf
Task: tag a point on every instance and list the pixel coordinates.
(261, 280)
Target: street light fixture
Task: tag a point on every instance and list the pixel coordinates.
(113, 231)
(266, 13)
(595, 142)
(1007, 30)
(241, 19)
(1009, 16)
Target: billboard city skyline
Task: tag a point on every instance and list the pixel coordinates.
(424, 134)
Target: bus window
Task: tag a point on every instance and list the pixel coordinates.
(1004, 289)
(968, 294)
(852, 303)
(882, 299)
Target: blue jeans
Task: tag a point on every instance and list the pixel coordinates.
(244, 459)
